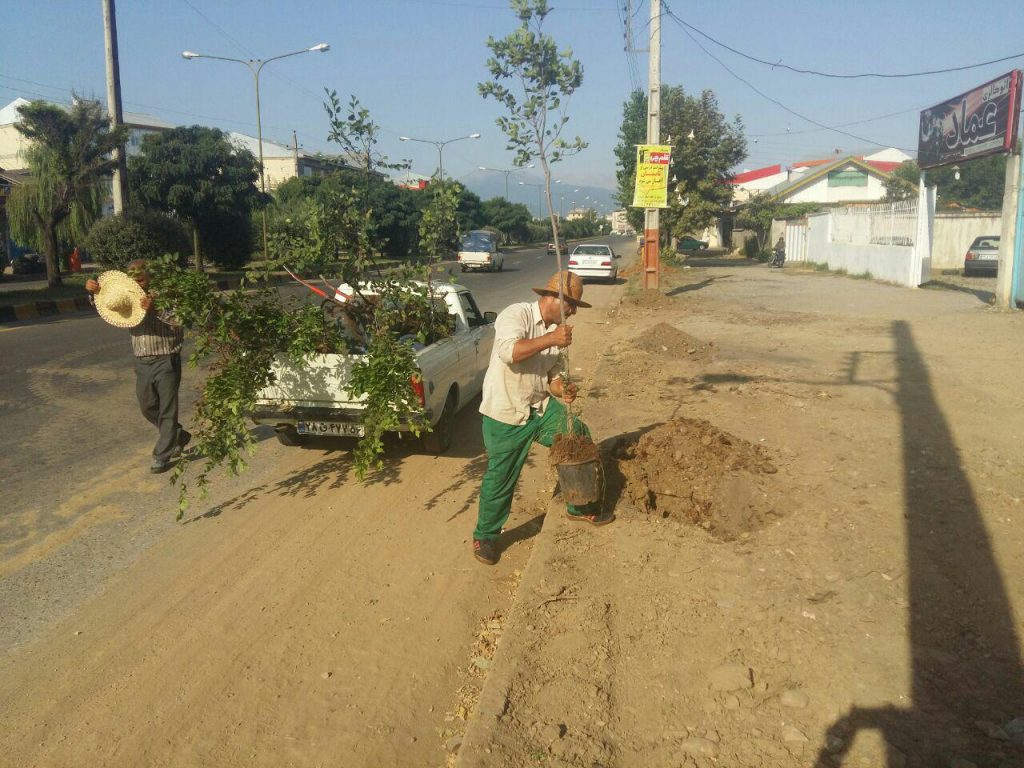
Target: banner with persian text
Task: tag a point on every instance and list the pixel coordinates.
(652, 163)
(974, 124)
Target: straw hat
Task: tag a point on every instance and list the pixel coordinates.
(119, 300)
(572, 288)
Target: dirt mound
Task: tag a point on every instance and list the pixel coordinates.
(665, 339)
(689, 469)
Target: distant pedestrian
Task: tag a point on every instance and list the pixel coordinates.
(521, 406)
(124, 301)
(75, 261)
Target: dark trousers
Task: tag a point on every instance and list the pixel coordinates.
(156, 386)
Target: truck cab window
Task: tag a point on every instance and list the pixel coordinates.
(474, 316)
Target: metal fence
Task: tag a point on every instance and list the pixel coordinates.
(884, 224)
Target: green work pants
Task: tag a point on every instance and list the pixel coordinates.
(507, 447)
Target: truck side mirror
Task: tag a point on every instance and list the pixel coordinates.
(490, 317)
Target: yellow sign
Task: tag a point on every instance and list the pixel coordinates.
(652, 163)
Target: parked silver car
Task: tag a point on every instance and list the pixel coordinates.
(982, 257)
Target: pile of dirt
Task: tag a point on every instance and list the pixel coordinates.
(665, 339)
(689, 469)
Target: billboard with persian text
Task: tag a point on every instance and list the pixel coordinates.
(981, 122)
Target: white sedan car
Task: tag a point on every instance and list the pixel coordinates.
(594, 261)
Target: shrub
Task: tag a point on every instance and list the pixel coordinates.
(750, 249)
(229, 240)
(116, 240)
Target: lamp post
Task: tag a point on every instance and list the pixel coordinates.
(505, 171)
(440, 145)
(256, 66)
(539, 187)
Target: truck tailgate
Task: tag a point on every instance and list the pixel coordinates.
(321, 382)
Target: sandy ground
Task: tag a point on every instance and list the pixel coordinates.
(817, 553)
(816, 561)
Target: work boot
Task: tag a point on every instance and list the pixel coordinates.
(158, 467)
(485, 551)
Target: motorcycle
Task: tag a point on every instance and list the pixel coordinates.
(778, 258)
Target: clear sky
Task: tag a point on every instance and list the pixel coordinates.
(416, 64)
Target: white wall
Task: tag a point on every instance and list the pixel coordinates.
(954, 232)
(891, 263)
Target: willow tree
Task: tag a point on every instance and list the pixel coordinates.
(69, 158)
(534, 81)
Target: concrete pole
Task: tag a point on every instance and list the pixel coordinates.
(259, 139)
(652, 233)
(120, 179)
(295, 151)
(1008, 233)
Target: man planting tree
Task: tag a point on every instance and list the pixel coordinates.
(519, 405)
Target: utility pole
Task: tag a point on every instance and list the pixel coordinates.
(295, 151)
(120, 179)
(652, 234)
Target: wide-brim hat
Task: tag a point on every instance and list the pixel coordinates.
(572, 288)
(119, 301)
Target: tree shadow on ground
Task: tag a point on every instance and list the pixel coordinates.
(966, 677)
(718, 261)
(695, 286)
(986, 297)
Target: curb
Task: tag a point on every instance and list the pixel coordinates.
(475, 750)
(475, 747)
(36, 309)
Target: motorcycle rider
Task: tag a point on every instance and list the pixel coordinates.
(779, 253)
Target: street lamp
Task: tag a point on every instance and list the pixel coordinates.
(539, 188)
(505, 171)
(440, 146)
(256, 66)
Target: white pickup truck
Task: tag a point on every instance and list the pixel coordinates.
(479, 249)
(313, 399)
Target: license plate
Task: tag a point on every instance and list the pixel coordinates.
(330, 428)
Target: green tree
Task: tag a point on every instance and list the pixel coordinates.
(439, 226)
(980, 184)
(197, 174)
(116, 240)
(758, 212)
(512, 220)
(69, 156)
(705, 147)
(534, 81)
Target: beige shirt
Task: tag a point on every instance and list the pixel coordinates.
(511, 389)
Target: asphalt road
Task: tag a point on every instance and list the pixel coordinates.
(72, 434)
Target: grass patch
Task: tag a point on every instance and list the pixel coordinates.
(73, 285)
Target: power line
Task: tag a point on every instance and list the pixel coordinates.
(890, 75)
(841, 125)
(778, 103)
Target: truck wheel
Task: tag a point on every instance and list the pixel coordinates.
(288, 436)
(439, 440)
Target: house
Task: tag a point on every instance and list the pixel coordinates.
(280, 161)
(413, 181)
(846, 180)
(855, 186)
(13, 144)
